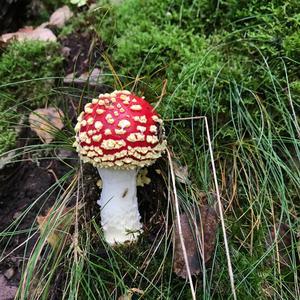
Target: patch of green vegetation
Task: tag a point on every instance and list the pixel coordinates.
(28, 70)
(200, 47)
(206, 50)
(8, 118)
(236, 63)
(27, 74)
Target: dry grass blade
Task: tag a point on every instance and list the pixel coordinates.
(114, 73)
(220, 207)
(180, 228)
(163, 93)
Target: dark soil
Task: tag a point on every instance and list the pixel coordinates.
(22, 184)
(83, 51)
(12, 14)
(15, 14)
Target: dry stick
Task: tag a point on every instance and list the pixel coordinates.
(162, 94)
(180, 229)
(220, 211)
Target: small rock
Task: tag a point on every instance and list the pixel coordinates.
(93, 78)
(66, 51)
(9, 273)
(60, 16)
(64, 154)
(17, 215)
(29, 33)
(69, 78)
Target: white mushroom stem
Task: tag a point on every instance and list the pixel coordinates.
(120, 217)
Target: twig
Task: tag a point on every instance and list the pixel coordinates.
(163, 93)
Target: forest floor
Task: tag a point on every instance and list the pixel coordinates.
(226, 84)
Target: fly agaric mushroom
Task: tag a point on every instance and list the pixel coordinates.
(119, 133)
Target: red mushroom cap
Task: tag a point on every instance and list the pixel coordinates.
(119, 130)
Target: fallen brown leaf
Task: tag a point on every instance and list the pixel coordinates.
(45, 122)
(199, 234)
(28, 33)
(60, 16)
(59, 225)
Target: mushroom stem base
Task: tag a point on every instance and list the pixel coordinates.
(120, 218)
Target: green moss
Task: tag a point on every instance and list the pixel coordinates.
(291, 45)
(8, 118)
(27, 74)
(27, 71)
(7, 139)
(199, 46)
